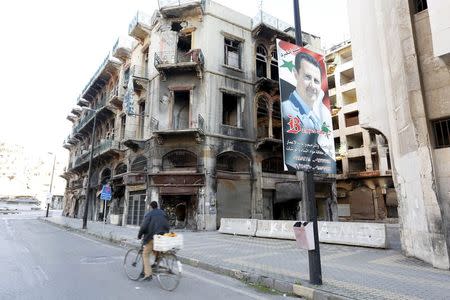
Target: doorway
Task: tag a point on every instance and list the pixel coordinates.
(180, 210)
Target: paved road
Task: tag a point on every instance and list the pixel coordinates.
(41, 261)
(355, 272)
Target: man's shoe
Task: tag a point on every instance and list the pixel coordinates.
(148, 278)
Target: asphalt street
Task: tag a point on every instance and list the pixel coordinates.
(41, 261)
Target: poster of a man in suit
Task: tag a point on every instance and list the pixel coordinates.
(308, 143)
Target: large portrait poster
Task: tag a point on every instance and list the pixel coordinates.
(308, 143)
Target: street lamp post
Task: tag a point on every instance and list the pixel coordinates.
(51, 184)
(86, 206)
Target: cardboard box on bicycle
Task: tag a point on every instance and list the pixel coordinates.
(166, 243)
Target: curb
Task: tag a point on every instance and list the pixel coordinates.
(304, 291)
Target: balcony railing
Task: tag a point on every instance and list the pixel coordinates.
(171, 57)
(116, 96)
(140, 26)
(122, 49)
(89, 116)
(173, 3)
(139, 72)
(103, 147)
(269, 20)
(176, 8)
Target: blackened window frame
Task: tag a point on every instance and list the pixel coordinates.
(441, 132)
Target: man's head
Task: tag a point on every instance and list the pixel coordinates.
(309, 77)
(154, 204)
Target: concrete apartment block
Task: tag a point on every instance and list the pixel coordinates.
(403, 94)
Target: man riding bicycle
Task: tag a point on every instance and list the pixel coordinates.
(155, 222)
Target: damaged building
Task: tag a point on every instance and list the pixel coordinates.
(187, 113)
(365, 189)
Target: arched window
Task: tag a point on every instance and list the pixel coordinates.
(105, 176)
(233, 162)
(179, 159)
(139, 164)
(120, 169)
(261, 61)
(262, 117)
(274, 66)
(273, 165)
(276, 120)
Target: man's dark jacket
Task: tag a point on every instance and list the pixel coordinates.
(155, 222)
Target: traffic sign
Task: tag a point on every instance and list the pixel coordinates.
(106, 193)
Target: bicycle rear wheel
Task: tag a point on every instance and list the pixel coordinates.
(168, 271)
(133, 264)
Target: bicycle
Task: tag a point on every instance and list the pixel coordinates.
(167, 268)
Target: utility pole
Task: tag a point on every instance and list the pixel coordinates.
(91, 155)
(51, 184)
(315, 268)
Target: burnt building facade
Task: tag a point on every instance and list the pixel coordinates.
(188, 114)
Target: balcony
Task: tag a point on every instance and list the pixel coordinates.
(179, 8)
(122, 49)
(106, 148)
(76, 111)
(140, 27)
(101, 78)
(86, 121)
(267, 26)
(196, 130)
(140, 78)
(265, 84)
(175, 61)
(71, 118)
(115, 98)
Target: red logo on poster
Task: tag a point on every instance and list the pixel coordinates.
(294, 125)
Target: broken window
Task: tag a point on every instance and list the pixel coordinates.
(232, 53)
(141, 119)
(420, 5)
(441, 130)
(262, 117)
(351, 119)
(273, 165)
(105, 176)
(180, 113)
(123, 122)
(274, 66)
(261, 61)
(232, 162)
(126, 77)
(179, 159)
(356, 164)
(230, 110)
(355, 141)
(276, 120)
(120, 169)
(139, 164)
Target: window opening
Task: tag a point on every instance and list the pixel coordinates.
(273, 165)
(261, 61)
(232, 53)
(141, 119)
(179, 159)
(230, 110)
(274, 66)
(441, 129)
(180, 117)
(139, 164)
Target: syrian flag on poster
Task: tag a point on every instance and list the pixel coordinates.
(308, 142)
(129, 98)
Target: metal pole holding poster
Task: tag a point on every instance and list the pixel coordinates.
(301, 137)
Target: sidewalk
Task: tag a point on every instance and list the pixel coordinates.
(352, 272)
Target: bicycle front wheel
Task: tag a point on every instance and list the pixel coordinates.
(133, 264)
(168, 271)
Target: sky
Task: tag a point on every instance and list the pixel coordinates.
(51, 48)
